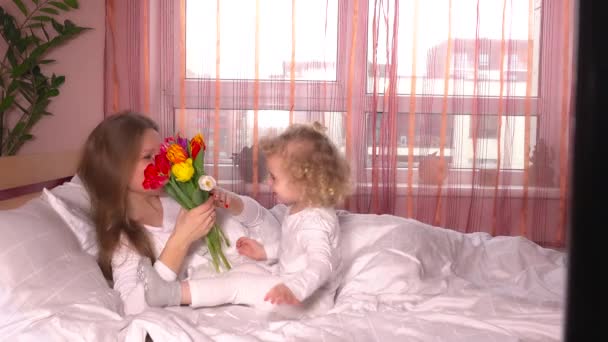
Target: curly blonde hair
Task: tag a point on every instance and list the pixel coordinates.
(313, 162)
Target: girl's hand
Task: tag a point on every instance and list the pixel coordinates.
(195, 223)
(227, 200)
(250, 248)
(281, 294)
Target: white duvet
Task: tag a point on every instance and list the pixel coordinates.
(402, 281)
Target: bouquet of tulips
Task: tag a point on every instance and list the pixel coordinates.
(179, 168)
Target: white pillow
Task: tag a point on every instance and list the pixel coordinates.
(73, 194)
(71, 201)
(78, 220)
(43, 272)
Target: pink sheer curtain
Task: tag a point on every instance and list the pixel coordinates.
(139, 72)
(454, 113)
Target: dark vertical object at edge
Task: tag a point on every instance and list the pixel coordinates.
(585, 318)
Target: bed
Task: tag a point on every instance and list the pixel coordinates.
(402, 280)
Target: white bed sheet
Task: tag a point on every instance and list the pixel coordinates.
(402, 281)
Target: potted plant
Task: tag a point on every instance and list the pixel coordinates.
(541, 165)
(25, 89)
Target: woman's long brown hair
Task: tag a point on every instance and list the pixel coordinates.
(106, 167)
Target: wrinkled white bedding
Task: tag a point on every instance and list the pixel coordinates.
(402, 281)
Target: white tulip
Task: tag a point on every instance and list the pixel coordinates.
(206, 183)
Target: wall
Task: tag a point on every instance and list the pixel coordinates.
(79, 107)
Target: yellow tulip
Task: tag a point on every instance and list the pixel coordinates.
(183, 172)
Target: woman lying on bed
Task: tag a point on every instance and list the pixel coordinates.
(132, 222)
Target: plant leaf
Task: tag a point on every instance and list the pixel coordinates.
(25, 137)
(13, 86)
(60, 5)
(71, 3)
(6, 103)
(57, 81)
(53, 92)
(47, 61)
(10, 55)
(46, 34)
(57, 26)
(21, 68)
(18, 129)
(21, 6)
(42, 18)
(49, 10)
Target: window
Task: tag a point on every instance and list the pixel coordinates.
(430, 124)
(461, 68)
(315, 70)
(236, 127)
(468, 48)
(237, 19)
(431, 49)
(322, 33)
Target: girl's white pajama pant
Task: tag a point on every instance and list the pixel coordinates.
(246, 284)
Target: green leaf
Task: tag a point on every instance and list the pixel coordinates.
(12, 87)
(57, 81)
(57, 26)
(25, 137)
(39, 107)
(10, 55)
(21, 69)
(169, 189)
(184, 199)
(21, 6)
(68, 23)
(53, 92)
(71, 3)
(6, 103)
(36, 71)
(42, 18)
(60, 5)
(35, 25)
(197, 197)
(18, 130)
(47, 61)
(199, 162)
(49, 10)
(41, 49)
(46, 34)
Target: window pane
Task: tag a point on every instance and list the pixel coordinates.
(236, 129)
(316, 23)
(426, 140)
(458, 148)
(472, 44)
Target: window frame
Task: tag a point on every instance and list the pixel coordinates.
(305, 89)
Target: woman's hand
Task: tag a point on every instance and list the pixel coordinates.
(195, 223)
(191, 226)
(281, 294)
(250, 248)
(227, 200)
